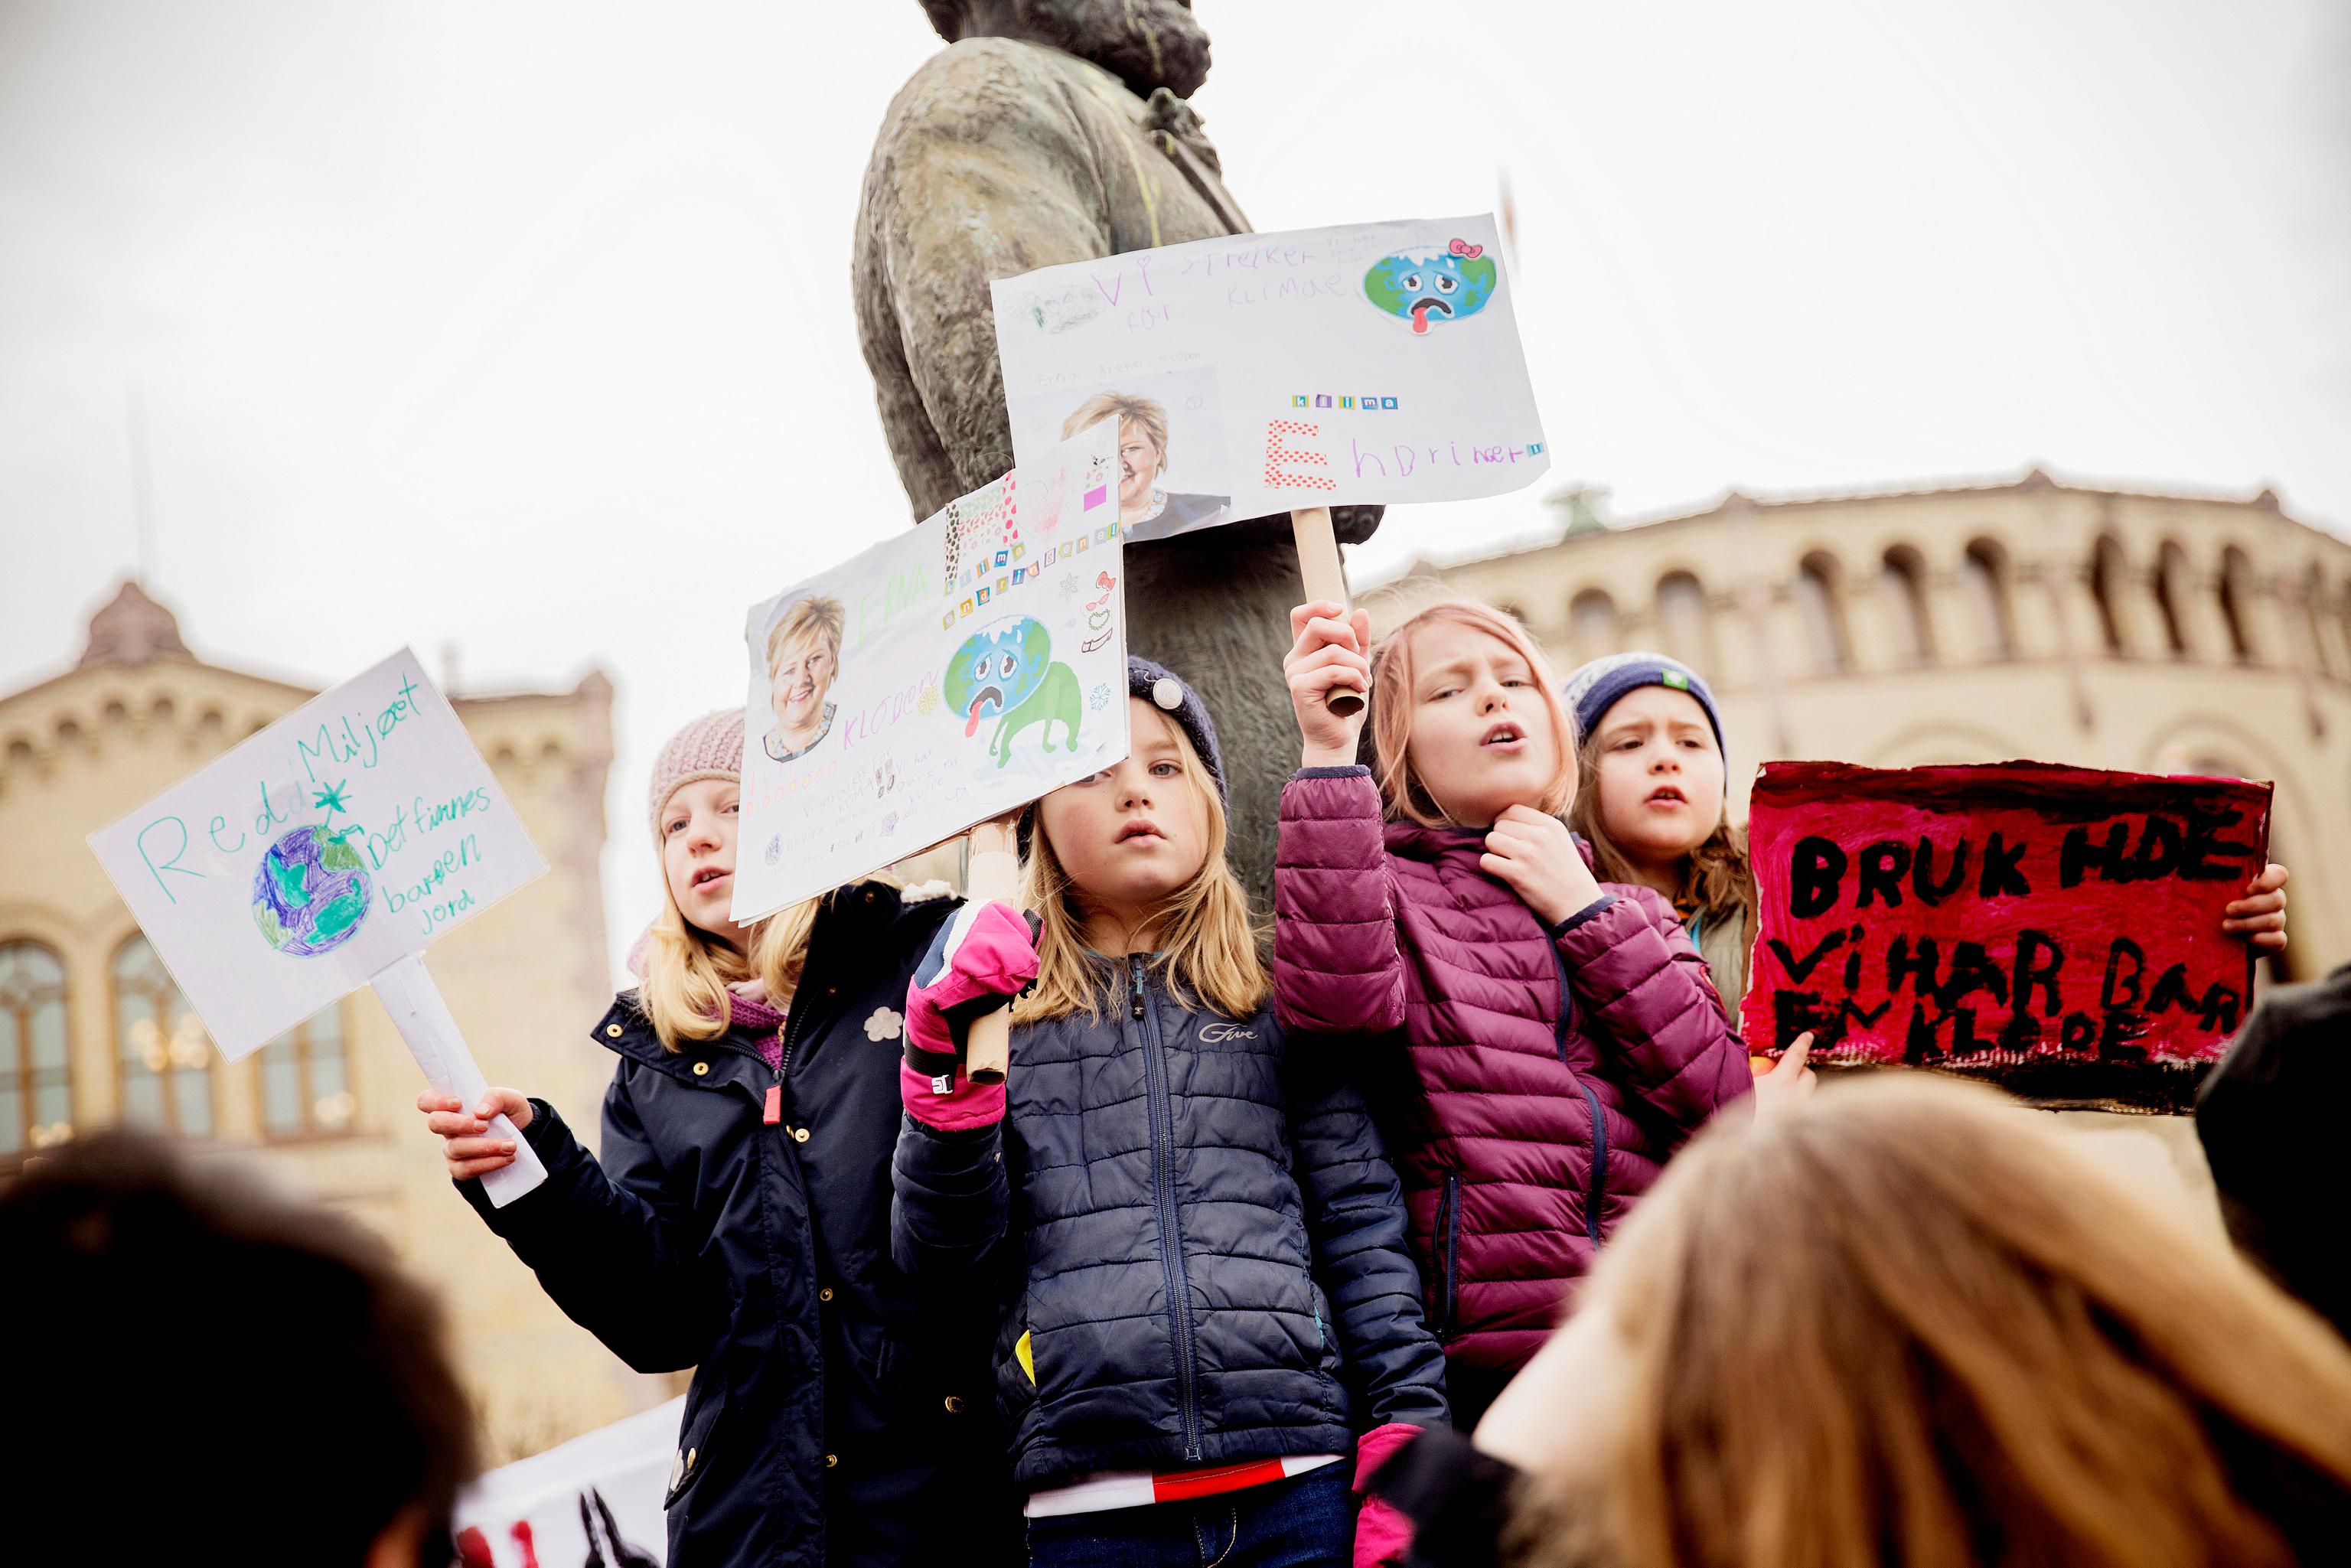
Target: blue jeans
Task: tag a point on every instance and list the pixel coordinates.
(1305, 1521)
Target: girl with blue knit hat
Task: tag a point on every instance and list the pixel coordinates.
(1181, 1226)
(1649, 739)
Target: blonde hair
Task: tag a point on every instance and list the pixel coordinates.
(1392, 710)
(1207, 949)
(816, 613)
(1126, 405)
(1904, 1323)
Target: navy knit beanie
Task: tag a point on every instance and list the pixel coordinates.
(1599, 685)
(1164, 689)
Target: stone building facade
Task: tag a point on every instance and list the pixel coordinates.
(2161, 633)
(92, 1030)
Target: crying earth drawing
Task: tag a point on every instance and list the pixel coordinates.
(1007, 671)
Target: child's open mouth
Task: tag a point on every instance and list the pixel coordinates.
(1668, 795)
(1139, 830)
(1504, 736)
(709, 874)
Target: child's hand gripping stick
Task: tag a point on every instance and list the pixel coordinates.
(424, 1019)
(1325, 579)
(993, 877)
(976, 965)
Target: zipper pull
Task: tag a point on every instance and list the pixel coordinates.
(1136, 970)
(774, 1112)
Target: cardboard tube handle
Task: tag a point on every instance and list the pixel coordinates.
(1324, 578)
(993, 876)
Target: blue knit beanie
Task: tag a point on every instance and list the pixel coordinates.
(1169, 692)
(1599, 685)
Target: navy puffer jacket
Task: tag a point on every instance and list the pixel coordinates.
(828, 1425)
(1193, 1236)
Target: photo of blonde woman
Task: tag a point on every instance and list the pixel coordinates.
(803, 661)
(1146, 509)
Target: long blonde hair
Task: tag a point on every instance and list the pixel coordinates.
(687, 970)
(1209, 951)
(1392, 709)
(1906, 1323)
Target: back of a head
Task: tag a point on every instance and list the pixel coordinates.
(1906, 1324)
(215, 1372)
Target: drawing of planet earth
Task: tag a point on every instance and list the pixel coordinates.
(312, 893)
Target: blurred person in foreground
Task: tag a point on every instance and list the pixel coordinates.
(2269, 1117)
(1899, 1322)
(217, 1371)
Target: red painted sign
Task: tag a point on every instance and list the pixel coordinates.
(2058, 929)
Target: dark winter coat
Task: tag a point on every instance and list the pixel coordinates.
(1552, 1070)
(826, 1424)
(2270, 1116)
(1196, 1242)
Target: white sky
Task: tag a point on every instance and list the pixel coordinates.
(526, 326)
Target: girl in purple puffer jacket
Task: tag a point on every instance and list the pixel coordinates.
(1560, 1033)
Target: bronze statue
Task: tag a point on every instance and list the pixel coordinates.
(1048, 131)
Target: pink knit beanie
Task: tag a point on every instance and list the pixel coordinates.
(709, 748)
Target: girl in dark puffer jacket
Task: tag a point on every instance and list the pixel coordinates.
(1194, 1244)
(1553, 1038)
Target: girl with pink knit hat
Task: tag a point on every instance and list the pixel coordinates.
(738, 1220)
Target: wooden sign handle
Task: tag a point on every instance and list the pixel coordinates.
(1325, 579)
(993, 875)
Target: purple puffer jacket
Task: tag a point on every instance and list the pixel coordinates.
(1554, 1070)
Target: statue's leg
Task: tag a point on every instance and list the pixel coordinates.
(1213, 606)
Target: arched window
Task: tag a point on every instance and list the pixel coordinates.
(1592, 627)
(1823, 610)
(36, 1058)
(306, 1080)
(2172, 595)
(2237, 600)
(165, 1055)
(2313, 621)
(1682, 620)
(2109, 577)
(1984, 572)
(1902, 578)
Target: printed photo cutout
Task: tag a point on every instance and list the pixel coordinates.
(804, 662)
(1172, 455)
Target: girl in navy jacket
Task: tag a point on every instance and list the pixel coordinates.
(1196, 1244)
(738, 1222)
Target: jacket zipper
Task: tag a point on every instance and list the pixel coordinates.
(1598, 1186)
(1171, 1259)
(1449, 1241)
(1593, 1194)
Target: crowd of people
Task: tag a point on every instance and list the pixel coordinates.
(1260, 1253)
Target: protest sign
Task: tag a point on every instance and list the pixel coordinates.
(323, 855)
(2056, 929)
(949, 675)
(1256, 374)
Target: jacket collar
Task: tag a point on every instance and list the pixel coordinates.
(1410, 841)
(846, 942)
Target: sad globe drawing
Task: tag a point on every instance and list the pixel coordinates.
(311, 893)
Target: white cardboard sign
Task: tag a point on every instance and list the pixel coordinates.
(1258, 373)
(322, 855)
(947, 675)
(314, 856)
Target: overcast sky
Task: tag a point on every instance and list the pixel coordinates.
(526, 326)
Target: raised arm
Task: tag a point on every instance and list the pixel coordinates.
(612, 1243)
(950, 1202)
(1632, 965)
(1336, 965)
